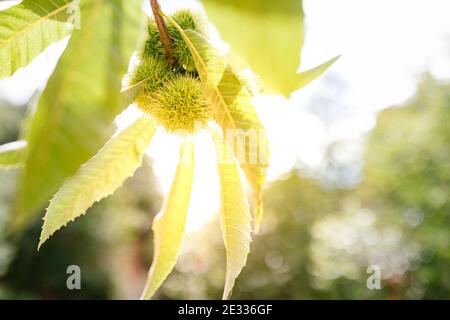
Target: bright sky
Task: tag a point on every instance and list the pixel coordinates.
(385, 45)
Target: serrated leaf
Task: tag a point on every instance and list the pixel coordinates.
(234, 213)
(234, 112)
(169, 224)
(75, 112)
(268, 34)
(12, 154)
(99, 177)
(28, 28)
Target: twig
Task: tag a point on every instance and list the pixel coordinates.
(164, 33)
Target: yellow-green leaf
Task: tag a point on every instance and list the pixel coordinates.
(28, 28)
(12, 154)
(169, 224)
(234, 213)
(268, 34)
(305, 77)
(74, 116)
(234, 112)
(99, 177)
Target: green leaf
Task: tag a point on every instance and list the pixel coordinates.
(75, 112)
(169, 224)
(234, 112)
(305, 77)
(99, 177)
(28, 28)
(12, 154)
(234, 213)
(268, 34)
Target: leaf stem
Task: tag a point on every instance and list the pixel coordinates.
(162, 27)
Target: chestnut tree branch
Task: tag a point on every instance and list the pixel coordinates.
(164, 33)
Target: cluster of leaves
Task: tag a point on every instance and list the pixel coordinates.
(62, 135)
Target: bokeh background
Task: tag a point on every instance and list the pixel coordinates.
(360, 176)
